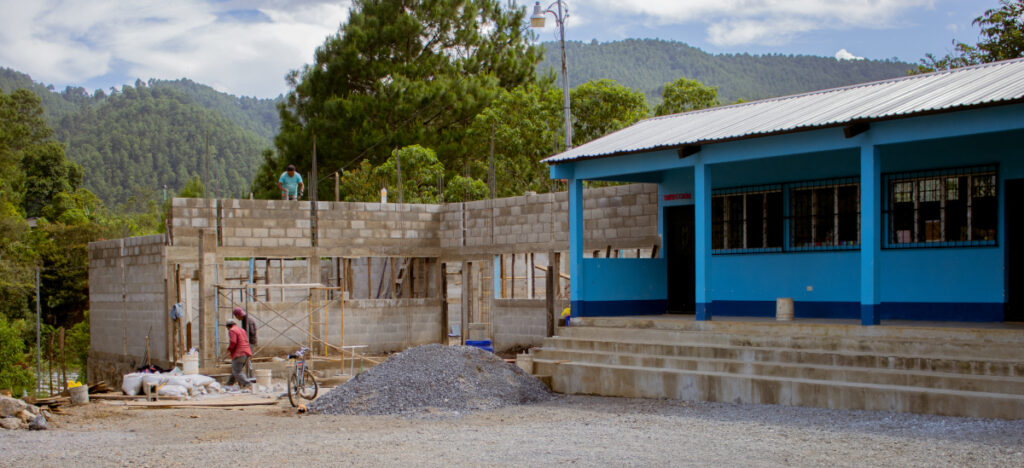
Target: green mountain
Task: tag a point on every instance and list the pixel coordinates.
(647, 64)
(134, 142)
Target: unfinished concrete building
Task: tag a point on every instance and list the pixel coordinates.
(338, 277)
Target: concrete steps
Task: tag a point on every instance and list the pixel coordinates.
(966, 372)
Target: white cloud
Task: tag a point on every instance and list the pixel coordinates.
(69, 42)
(771, 22)
(843, 54)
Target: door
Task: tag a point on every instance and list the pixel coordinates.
(680, 255)
(1012, 213)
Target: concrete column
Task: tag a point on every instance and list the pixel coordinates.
(702, 237)
(870, 234)
(207, 294)
(576, 293)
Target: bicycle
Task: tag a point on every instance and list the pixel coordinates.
(301, 383)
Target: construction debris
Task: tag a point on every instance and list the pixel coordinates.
(434, 377)
(16, 414)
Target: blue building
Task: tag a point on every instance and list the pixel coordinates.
(898, 199)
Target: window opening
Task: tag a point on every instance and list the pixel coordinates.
(949, 207)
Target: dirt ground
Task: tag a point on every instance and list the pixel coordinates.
(589, 431)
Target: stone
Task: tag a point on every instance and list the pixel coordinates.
(25, 415)
(11, 406)
(33, 409)
(10, 423)
(38, 424)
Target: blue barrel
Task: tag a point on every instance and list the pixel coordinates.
(482, 344)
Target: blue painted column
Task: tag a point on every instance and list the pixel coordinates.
(702, 236)
(576, 293)
(870, 233)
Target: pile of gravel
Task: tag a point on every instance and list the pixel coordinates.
(434, 377)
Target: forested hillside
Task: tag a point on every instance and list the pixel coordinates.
(141, 139)
(647, 64)
(133, 141)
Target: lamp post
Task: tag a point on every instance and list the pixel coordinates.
(537, 21)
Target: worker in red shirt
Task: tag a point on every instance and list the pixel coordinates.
(238, 347)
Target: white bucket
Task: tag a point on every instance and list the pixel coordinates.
(79, 395)
(784, 309)
(190, 364)
(525, 362)
(263, 377)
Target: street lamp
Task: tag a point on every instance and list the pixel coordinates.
(537, 21)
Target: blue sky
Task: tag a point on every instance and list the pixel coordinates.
(247, 47)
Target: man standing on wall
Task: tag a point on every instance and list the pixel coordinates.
(238, 347)
(290, 184)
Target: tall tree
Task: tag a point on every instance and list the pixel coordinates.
(684, 95)
(600, 107)
(401, 72)
(1001, 38)
(522, 126)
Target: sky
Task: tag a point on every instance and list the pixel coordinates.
(246, 48)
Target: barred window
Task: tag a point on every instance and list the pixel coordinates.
(747, 219)
(825, 214)
(938, 208)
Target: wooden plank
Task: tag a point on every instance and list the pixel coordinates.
(225, 402)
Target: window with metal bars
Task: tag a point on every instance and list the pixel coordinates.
(747, 219)
(824, 214)
(942, 208)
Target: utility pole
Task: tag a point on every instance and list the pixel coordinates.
(490, 165)
(398, 166)
(39, 368)
(337, 187)
(206, 171)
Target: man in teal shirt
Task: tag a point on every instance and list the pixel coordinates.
(290, 184)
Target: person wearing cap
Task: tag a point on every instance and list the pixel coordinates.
(290, 184)
(238, 348)
(247, 324)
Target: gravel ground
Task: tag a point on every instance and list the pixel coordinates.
(434, 378)
(590, 431)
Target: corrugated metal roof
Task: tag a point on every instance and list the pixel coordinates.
(943, 91)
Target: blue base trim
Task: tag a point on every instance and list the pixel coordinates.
(617, 308)
(801, 309)
(703, 311)
(869, 315)
(932, 311)
(942, 311)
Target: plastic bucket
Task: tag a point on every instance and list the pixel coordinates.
(263, 377)
(784, 309)
(190, 364)
(79, 395)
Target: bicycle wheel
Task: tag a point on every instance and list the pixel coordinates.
(293, 390)
(309, 386)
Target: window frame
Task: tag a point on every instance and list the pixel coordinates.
(915, 178)
(745, 191)
(814, 186)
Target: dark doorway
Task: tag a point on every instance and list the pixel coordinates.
(679, 251)
(1014, 217)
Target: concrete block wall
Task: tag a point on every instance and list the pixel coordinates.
(188, 216)
(127, 297)
(264, 223)
(622, 216)
(367, 228)
(520, 323)
(388, 325)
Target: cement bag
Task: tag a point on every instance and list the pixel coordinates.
(131, 384)
(213, 387)
(203, 380)
(172, 390)
(183, 380)
(153, 379)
